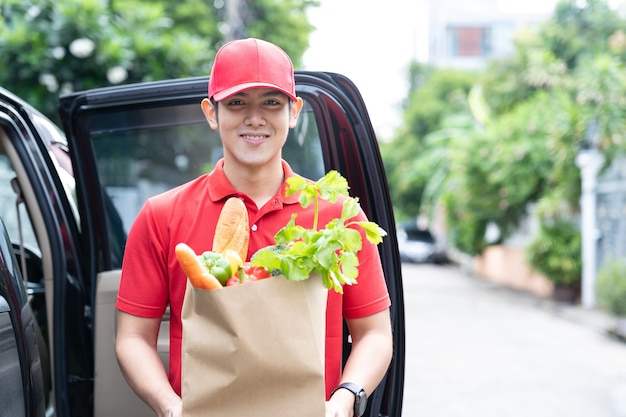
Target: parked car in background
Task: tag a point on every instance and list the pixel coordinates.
(418, 245)
(68, 198)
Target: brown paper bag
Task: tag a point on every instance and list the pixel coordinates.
(255, 350)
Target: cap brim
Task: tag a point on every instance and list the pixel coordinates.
(240, 87)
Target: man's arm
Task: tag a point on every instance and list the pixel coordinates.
(141, 365)
(372, 349)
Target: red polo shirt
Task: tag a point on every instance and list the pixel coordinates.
(152, 278)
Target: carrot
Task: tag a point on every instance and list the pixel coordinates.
(197, 274)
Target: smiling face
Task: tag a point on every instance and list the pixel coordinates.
(253, 125)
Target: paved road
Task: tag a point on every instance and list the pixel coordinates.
(475, 349)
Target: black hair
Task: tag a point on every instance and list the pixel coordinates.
(214, 103)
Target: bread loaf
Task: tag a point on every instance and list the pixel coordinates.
(232, 230)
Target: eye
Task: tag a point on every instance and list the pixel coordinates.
(235, 102)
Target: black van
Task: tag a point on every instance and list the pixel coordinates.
(69, 198)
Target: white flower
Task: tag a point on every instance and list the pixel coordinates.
(117, 75)
(32, 13)
(82, 47)
(223, 27)
(49, 81)
(67, 88)
(58, 52)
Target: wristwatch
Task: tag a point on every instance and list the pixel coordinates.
(360, 398)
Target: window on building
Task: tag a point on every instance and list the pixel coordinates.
(469, 41)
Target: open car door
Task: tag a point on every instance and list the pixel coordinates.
(41, 218)
(130, 142)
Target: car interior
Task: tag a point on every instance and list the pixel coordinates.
(23, 227)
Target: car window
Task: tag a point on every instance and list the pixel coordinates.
(140, 153)
(56, 144)
(14, 215)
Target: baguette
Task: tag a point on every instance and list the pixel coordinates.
(232, 231)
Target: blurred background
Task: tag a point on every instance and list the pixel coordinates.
(491, 116)
(502, 124)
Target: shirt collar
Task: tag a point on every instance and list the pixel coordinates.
(220, 188)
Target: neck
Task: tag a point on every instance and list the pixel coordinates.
(258, 183)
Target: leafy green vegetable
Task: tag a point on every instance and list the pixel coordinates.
(330, 251)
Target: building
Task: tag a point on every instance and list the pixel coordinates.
(467, 34)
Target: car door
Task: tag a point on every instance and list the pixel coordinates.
(21, 379)
(37, 205)
(128, 143)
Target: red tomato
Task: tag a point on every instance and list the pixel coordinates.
(256, 272)
(232, 281)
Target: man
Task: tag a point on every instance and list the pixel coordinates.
(252, 104)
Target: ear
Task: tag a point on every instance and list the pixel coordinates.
(296, 106)
(209, 112)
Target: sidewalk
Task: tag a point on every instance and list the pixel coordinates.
(477, 349)
(592, 318)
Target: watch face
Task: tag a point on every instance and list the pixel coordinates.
(361, 403)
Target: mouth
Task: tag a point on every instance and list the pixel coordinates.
(254, 138)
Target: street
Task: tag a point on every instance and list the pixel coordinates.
(476, 349)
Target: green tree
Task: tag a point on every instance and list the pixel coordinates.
(491, 180)
(580, 29)
(52, 47)
(435, 95)
(531, 113)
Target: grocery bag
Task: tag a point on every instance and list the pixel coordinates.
(255, 350)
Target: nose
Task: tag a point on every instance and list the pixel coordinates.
(254, 117)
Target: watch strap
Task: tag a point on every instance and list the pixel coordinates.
(354, 388)
(360, 398)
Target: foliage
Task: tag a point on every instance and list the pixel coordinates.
(611, 287)
(493, 172)
(331, 250)
(580, 29)
(435, 96)
(53, 47)
(556, 252)
(509, 141)
(601, 95)
(283, 22)
(511, 80)
(443, 92)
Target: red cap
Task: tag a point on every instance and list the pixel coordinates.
(251, 63)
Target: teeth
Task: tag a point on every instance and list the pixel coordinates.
(249, 137)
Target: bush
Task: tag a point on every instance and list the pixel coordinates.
(556, 253)
(611, 287)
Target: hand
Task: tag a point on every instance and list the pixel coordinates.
(175, 411)
(341, 404)
(171, 406)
